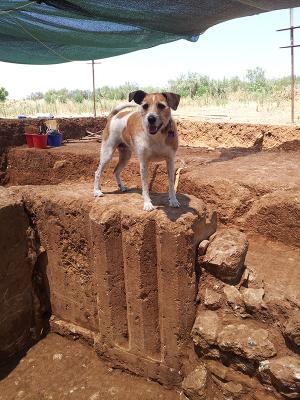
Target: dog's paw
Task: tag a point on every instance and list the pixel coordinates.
(174, 203)
(98, 193)
(148, 207)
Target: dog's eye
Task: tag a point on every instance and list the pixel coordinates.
(161, 106)
(145, 106)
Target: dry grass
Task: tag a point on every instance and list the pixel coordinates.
(11, 109)
(236, 109)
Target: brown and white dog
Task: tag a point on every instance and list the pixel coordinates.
(150, 132)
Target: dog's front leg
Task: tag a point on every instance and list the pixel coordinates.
(148, 206)
(171, 175)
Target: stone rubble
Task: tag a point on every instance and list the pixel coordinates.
(206, 328)
(241, 339)
(212, 299)
(234, 297)
(284, 374)
(292, 329)
(203, 247)
(226, 254)
(253, 280)
(195, 384)
(246, 341)
(236, 347)
(253, 299)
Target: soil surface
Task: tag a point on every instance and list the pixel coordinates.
(247, 186)
(60, 369)
(267, 259)
(250, 175)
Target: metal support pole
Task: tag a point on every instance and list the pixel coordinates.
(291, 46)
(292, 66)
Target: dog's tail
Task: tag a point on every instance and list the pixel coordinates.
(119, 108)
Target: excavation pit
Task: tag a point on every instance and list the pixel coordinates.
(129, 284)
(121, 279)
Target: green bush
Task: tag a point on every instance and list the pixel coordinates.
(50, 96)
(3, 94)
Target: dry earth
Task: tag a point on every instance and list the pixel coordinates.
(250, 175)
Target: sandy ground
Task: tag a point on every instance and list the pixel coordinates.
(238, 112)
(59, 369)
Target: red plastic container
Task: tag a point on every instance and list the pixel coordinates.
(29, 139)
(40, 141)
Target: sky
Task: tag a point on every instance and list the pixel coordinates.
(225, 50)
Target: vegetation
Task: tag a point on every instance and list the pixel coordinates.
(196, 90)
(3, 94)
(254, 87)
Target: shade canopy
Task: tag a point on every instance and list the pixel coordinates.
(57, 31)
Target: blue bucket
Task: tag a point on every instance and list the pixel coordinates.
(55, 140)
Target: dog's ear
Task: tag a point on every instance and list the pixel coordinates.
(138, 96)
(173, 99)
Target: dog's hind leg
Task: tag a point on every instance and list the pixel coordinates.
(124, 157)
(107, 151)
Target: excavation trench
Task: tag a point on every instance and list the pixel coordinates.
(130, 284)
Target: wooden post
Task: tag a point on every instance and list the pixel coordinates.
(94, 90)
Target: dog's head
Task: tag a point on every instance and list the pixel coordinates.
(155, 108)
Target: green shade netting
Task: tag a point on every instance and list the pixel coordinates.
(56, 31)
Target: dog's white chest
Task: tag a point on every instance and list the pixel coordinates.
(153, 147)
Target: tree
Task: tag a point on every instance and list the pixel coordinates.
(3, 94)
(190, 85)
(35, 96)
(77, 96)
(50, 96)
(62, 95)
(256, 79)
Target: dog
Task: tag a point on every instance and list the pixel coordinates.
(150, 132)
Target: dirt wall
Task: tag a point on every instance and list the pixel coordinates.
(12, 130)
(18, 257)
(226, 135)
(192, 133)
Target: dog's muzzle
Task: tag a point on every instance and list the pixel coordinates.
(153, 129)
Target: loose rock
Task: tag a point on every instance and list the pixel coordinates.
(234, 297)
(218, 369)
(226, 254)
(262, 395)
(203, 247)
(194, 385)
(284, 374)
(206, 328)
(253, 299)
(212, 299)
(234, 388)
(246, 341)
(254, 281)
(59, 164)
(292, 329)
(227, 374)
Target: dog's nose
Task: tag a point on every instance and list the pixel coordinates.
(151, 119)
